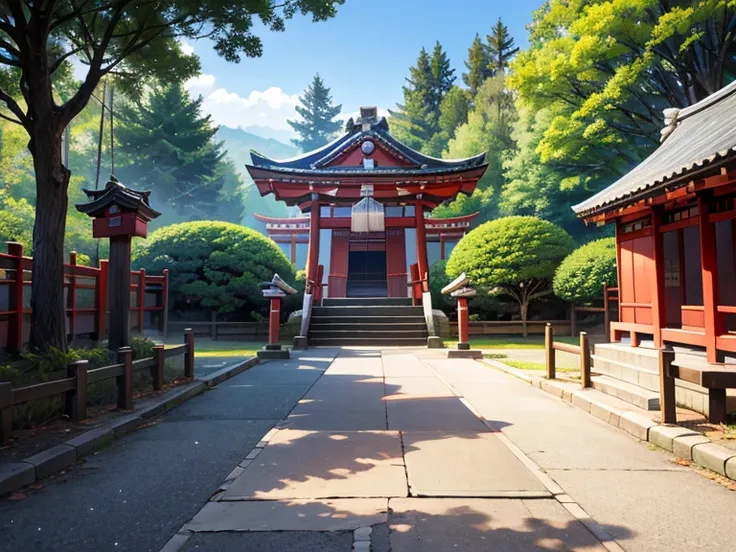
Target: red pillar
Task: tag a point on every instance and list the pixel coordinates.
(274, 321)
(313, 253)
(709, 268)
(442, 247)
(422, 245)
(293, 249)
(658, 297)
(462, 323)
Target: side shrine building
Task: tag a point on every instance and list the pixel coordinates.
(675, 220)
(367, 198)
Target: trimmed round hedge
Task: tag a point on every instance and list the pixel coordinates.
(216, 265)
(510, 250)
(581, 275)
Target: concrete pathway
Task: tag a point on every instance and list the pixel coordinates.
(375, 450)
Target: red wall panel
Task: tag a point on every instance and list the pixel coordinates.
(337, 280)
(396, 262)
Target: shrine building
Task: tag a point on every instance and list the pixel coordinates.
(367, 199)
(675, 221)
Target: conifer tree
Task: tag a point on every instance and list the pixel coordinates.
(501, 48)
(167, 146)
(477, 65)
(317, 126)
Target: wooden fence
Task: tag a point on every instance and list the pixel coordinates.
(79, 377)
(85, 295)
(551, 346)
(610, 297)
(511, 327)
(218, 329)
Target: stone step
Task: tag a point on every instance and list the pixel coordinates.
(634, 356)
(627, 392)
(387, 324)
(367, 334)
(368, 342)
(625, 372)
(363, 311)
(367, 302)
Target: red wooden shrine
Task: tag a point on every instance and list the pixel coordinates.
(328, 182)
(675, 220)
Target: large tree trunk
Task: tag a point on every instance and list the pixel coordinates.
(48, 320)
(524, 307)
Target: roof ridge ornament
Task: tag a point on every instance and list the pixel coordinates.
(671, 120)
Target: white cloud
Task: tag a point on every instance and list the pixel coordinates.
(186, 47)
(270, 108)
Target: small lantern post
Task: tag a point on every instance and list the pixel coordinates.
(275, 290)
(459, 288)
(119, 214)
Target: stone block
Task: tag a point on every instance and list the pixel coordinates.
(604, 412)
(579, 400)
(91, 440)
(664, 436)
(636, 425)
(16, 475)
(712, 456)
(124, 424)
(53, 460)
(301, 342)
(551, 388)
(731, 468)
(435, 342)
(265, 354)
(465, 353)
(682, 446)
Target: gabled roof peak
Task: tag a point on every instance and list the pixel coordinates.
(368, 120)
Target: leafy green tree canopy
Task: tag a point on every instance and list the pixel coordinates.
(216, 265)
(516, 256)
(317, 126)
(581, 275)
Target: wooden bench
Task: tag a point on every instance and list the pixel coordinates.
(716, 378)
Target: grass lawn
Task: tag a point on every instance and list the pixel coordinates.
(523, 365)
(511, 342)
(226, 349)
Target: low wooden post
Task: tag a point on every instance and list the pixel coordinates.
(75, 401)
(584, 360)
(667, 387)
(15, 321)
(71, 295)
(165, 304)
(157, 372)
(125, 382)
(189, 355)
(101, 300)
(606, 311)
(549, 351)
(6, 411)
(141, 299)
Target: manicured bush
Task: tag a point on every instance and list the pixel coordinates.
(581, 275)
(516, 256)
(437, 280)
(215, 265)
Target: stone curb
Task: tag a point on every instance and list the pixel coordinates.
(16, 475)
(682, 442)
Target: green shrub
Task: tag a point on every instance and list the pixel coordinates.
(581, 275)
(216, 265)
(142, 347)
(516, 256)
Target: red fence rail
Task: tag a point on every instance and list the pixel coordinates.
(85, 290)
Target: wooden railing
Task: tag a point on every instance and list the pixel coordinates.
(550, 348)
(511, 327)
(79, 377)
(85, 296)
(610, 295)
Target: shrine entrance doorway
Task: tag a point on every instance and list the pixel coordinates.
(367, 275)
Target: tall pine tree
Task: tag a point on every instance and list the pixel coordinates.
(501, 48)
(417, 120)
(477, 65)
(165, 145)
(317, 126)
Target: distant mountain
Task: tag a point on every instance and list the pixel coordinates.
(267, 132)
(238, 144)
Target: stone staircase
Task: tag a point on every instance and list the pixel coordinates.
(372, 321)
(627, 373)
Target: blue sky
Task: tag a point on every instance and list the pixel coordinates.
(363, 55)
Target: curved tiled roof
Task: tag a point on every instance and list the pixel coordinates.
(700, 135)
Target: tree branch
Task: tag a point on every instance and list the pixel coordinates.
(17, 122)
(13, 107)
